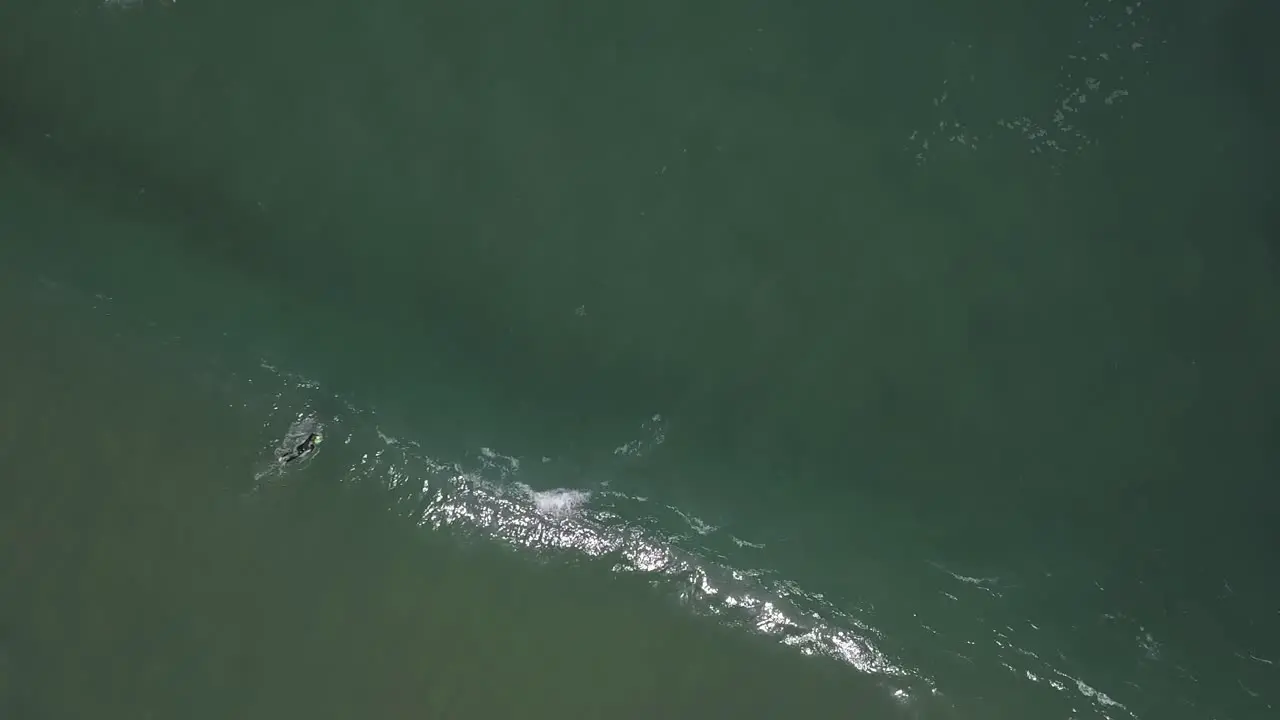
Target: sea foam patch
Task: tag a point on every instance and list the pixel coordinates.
(560, 502)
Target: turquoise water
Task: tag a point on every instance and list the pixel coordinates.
(746, 360)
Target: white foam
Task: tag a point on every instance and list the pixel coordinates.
(560, 502)
(699, 525)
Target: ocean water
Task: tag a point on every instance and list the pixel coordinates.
(736, 360)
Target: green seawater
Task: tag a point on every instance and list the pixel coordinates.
(674, 360)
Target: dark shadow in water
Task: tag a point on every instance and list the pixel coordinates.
(129, 184)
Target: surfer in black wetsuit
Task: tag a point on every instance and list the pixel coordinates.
(303, 449)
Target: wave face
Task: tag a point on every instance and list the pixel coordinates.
(486, 494)
(713, 572)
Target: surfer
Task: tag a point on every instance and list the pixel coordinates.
(295, 450)
(301, 450)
